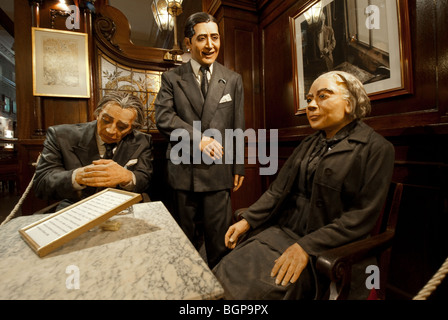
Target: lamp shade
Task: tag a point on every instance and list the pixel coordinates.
(161, 10)
(313, 14)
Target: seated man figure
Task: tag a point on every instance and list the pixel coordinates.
(329, 193)
(79, 159)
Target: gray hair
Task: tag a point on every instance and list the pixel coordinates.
(125, 100)
(354, 93)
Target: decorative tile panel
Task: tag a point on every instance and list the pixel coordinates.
(144, 84)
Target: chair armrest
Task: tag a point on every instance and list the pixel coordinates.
(336, 263)
(329, 262)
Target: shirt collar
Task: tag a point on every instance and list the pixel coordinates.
(196, 65)
(100, 143)
(341, 134)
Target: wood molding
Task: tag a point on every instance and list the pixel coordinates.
(112, 31)
(213, 6)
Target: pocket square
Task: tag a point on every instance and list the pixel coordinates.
(131, 163)
(226, 98)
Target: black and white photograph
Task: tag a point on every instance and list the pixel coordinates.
(357, 36)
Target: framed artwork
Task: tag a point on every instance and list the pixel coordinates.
(368, 38)
(60, 63)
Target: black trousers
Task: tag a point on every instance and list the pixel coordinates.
(207, 216)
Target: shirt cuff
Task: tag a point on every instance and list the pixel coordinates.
(130, 186)
(75, 184)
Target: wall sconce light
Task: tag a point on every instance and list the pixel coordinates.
(165, 13)
(313, 14)
(62, 5)
(163, 19)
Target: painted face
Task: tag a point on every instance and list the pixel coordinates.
(205, 44)
(327, 109)
(114, 122)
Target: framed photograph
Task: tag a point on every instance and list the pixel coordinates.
(368, 38)
(60, 63)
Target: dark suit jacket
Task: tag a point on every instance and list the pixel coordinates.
(180, 102)
(71, 146)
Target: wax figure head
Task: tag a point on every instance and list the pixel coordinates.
(335, 99)
(117, 114)
(202, 38)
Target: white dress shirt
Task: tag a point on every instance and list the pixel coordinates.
(102, 151)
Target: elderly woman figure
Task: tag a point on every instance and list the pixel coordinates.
(328, 193)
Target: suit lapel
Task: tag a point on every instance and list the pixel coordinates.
(87, 149)
(125, 150)
(188, 84)
(215, 92)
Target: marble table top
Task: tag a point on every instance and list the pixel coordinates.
(149, 258)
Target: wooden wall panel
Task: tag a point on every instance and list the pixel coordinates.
(256, 43)
(60, 110)
(240, 52)
(441, 40)
(24, 76)
(416, 124)
(278, 75)
(243, 59)
(418, 251)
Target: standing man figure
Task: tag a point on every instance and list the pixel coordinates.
(78, 159)
(194, 97)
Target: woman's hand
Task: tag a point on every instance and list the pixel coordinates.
(290, 265)
(234, 232)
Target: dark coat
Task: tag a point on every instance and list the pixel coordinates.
(179, 103)
(349, 189)
(71, 146)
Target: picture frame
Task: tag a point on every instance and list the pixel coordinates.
(60, 63)
(370, 39)
(54, 230)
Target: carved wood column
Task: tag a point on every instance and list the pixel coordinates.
(39, 132)
(88, 28)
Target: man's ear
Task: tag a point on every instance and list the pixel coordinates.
(187, 43)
